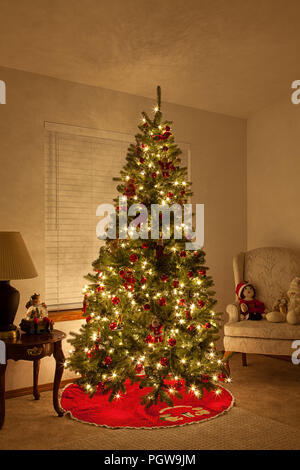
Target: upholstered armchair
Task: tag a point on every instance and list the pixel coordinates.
(270, 270)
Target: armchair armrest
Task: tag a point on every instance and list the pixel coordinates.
(233, 311)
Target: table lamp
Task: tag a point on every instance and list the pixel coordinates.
(15, 263)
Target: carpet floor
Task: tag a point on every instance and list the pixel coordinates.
(266, 416)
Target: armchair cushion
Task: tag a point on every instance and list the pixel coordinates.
(262, 329)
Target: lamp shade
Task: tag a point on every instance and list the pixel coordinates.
(15, 260)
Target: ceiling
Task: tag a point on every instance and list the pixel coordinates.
(228, 56)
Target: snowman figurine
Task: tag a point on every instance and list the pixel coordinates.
(36, 309)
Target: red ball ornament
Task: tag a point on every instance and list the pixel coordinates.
(170, 195)
(221, 377)
(139, 368)
(164, 361)
(182, 193)
(154, 175)
(190, 274)
(122, 273)
(88, 319)
(149, 339)
(172, 341)
(205, 378)
(188, 314)
(164, 277)
(166, 135)
(183, 254)
(175, 284)
(130, 279)
(113, 325)
(201, 303)
(147, 307)
(202, 272)
(143, 280)
(133, 258)
(144, 246)
(130, 189)
(207, 325)
(115, 300)
(162, 302)
(100, 386)
(181, 302)
(108, 361)
(191, 328)
(177, 385)
(142, 160)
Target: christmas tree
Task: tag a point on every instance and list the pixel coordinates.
(149, 305)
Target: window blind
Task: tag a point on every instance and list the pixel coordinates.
(80, 164)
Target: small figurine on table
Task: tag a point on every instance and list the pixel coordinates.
(251, 308)
(36, 320)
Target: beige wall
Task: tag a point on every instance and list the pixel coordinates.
(273, 172)
(218, 145)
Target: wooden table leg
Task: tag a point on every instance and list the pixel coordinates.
(36, 369)
(60, 359)
(2, 393)
(227, 355)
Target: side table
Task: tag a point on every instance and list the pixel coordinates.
(34, 348)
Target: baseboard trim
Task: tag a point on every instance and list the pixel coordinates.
(281, 358)
(19, 392)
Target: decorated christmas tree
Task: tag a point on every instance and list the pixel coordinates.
(149, 305)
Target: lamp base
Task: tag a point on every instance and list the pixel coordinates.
(13, 334)
(5, 328)
(9, 302)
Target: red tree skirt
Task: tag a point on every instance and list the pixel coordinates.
(127, 412)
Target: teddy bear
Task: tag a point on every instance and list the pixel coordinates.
(279, 309)
(293, 314)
